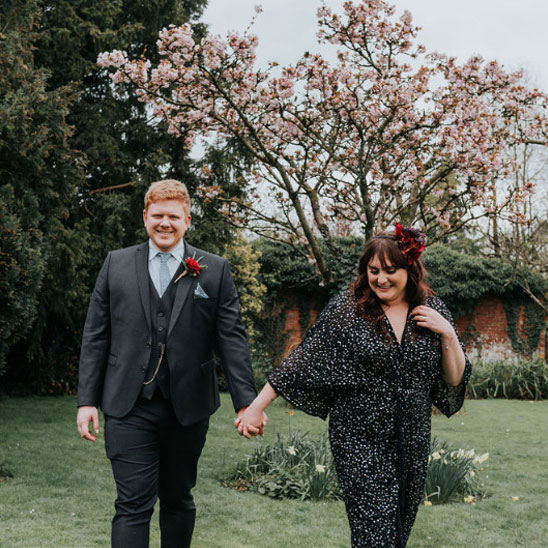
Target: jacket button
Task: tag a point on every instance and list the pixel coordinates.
(142, 369)
(148, 345)
(160, 328)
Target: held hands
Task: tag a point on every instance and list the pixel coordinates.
(87, 414)
(251, 421)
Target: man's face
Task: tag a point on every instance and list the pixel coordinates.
(166, 222)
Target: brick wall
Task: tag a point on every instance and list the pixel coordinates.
(485, 331)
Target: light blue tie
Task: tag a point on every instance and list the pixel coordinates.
(165, 277)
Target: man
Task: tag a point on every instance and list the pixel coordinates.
(157, 312)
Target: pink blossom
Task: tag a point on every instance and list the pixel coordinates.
(364, 133)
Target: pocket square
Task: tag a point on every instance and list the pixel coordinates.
(199, 293)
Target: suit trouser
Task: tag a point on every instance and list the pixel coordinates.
(153, 456)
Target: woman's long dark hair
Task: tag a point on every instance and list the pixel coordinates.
(384, 246)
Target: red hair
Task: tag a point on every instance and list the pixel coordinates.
(168, 189)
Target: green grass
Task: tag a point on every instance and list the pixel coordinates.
(62, 492)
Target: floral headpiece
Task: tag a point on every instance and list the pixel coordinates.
(410, 241)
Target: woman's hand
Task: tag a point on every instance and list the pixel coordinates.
(453, 360)
(429, 318)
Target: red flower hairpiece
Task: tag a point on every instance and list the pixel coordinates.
(410, 241)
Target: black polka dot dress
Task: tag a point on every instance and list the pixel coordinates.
(378, 395)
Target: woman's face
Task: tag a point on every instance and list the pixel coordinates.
(387, 283)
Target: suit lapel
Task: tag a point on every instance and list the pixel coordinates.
(183, 288)
(141, 264)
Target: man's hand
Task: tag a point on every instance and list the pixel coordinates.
(87, 414)
(250, 421)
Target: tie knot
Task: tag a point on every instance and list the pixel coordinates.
(164, 257)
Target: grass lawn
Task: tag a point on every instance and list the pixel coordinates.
(62, 492)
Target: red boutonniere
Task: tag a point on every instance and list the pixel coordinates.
(192, 267)
(410, 241)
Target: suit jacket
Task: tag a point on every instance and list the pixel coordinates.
(116, 342)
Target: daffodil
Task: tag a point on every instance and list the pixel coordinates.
(320, 468)
(291, 450)
(481, 458)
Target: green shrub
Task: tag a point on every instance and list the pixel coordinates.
(509, 380)
(298, 467)
(295, 467)
(452, 474)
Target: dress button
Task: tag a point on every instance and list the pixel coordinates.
(160, 328)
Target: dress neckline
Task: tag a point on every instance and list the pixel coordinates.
(391, 328)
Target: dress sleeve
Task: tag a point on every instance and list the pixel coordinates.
(449, 399)
(304, 378)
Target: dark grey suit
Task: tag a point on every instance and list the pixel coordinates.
(116, 350)
(116, 341)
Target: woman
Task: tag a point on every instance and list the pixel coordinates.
(377, 358)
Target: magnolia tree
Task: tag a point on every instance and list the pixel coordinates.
(386, 133)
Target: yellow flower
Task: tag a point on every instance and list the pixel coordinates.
(481, 458)
(470, 499)
(427, 503)
(515, 498)
(320, 468)
(291, 450)
(291, 412)
(436, 456)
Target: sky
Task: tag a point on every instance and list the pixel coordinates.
(510, 31)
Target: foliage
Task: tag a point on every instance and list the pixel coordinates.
(461, 279)
(294, 467)
(524, 338)
(245, 266)
(453, 474)
(21, 273)
(287, 267)
(39, 172)
(350, 145)
(61, 110)
(527, 380)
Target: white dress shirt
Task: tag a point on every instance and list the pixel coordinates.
(177, 257)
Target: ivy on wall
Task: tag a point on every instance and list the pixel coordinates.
(459, 278)
(524, 340)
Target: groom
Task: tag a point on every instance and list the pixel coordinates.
(157, 312)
